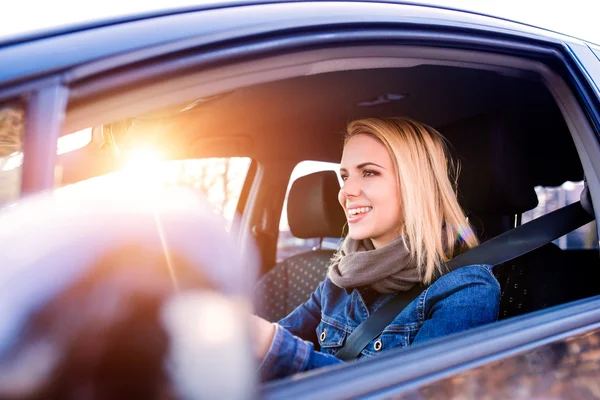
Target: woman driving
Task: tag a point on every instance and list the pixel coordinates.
(404, 224)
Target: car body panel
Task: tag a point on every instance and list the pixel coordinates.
(146, 38)
(563, 369)
(596, 50)
(104, 14)
(400, 371)
(588, 62)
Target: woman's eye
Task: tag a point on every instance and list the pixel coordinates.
(368, 172)
(344, 177)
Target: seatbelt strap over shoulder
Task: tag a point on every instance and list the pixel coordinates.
(365, 332)
(498, 250)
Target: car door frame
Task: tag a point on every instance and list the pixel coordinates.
(44, 101)
(387, 374)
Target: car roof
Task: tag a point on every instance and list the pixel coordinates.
(567, 18)
(132, 36)
(19, 24)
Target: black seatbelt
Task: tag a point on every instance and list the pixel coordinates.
(524, 238)
(498, 250)
(372, 327)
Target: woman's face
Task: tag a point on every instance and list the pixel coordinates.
(369, 194)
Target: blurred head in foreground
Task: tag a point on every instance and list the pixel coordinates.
(122, 297)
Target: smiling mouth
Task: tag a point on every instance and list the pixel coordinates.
(354, 214)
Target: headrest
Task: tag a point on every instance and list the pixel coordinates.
(313, 208)
(494, 175)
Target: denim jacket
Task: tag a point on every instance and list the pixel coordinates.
(309, 337)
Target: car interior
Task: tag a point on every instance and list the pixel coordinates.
(507, 133)
(509, 141)
(503, 125)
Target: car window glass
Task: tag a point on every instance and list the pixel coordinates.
(12, 127)
(553, 198)
(11, 150)
(287, 244)
(220, 179)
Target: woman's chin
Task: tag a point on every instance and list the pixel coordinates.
(357, 235)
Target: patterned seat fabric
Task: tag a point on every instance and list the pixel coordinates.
(544, 278)
(313, 212)
(529, 283)
(290, 283)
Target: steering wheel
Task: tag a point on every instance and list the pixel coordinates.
(122, 295)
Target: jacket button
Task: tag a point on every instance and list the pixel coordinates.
(378, 345)
(323, 335)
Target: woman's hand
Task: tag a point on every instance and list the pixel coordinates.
(263, 336)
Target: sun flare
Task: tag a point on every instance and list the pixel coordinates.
(142, 159)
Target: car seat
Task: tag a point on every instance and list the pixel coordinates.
(313, 212)
(496, 186)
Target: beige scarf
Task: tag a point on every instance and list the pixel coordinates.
(387, 270)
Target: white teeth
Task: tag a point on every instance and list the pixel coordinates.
(360, 210)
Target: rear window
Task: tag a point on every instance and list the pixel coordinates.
(288, 244)
(553, 198)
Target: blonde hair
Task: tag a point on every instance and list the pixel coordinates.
(434, 225)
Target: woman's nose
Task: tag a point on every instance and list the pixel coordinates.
(350, 188)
